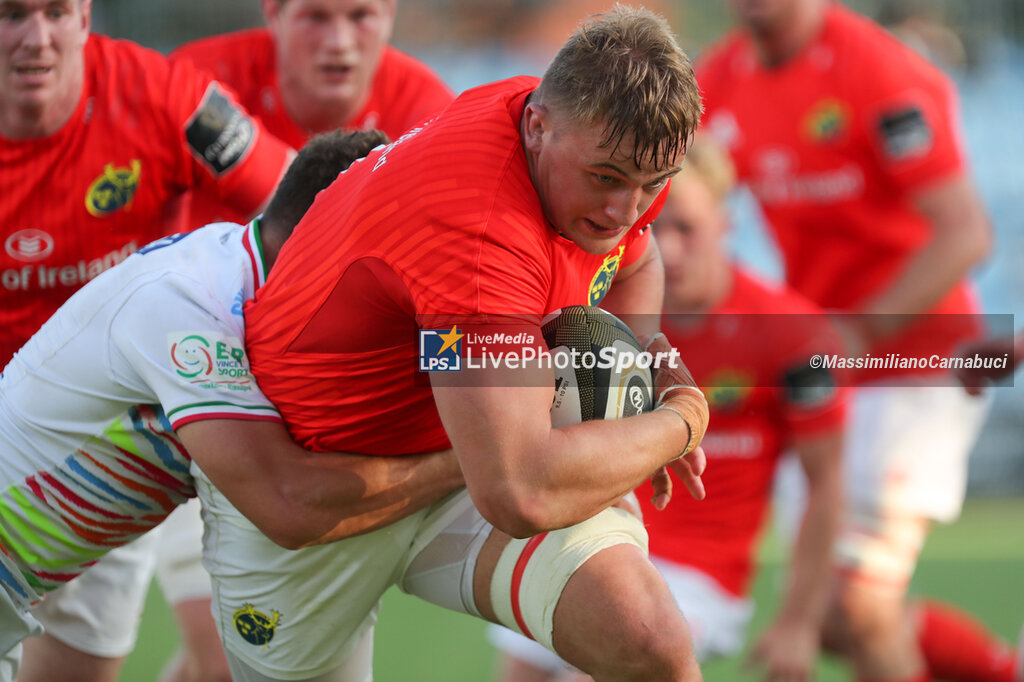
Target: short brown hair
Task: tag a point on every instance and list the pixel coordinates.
(625, 68)
(315, 167)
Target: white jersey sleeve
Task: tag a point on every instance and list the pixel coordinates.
(181, 336)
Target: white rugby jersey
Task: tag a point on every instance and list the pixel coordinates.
(89, 405)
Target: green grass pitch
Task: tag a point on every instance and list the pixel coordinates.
(976, 563)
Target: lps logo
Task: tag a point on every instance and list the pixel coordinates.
(440, 350)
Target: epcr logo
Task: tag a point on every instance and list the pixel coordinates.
(29, 245)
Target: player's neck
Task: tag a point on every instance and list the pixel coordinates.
(28, 121)
(315, 116)
(782, 40)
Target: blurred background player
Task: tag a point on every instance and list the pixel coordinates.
(764, 397)
(99, 140)
(849, 142)
(318, 65)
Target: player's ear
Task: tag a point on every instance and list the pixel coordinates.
(86, 7)
(535, 123)
(270, 11)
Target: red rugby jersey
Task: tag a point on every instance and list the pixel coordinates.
(755, 413)
(111, 179)
(404, 91)
(833, 144)
(442, 225)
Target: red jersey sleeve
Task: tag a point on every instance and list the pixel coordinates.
(226, 150)
(813, 398)
(911, 117)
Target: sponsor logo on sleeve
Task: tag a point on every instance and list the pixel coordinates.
(210, 360)
(219, 132)
(114, 189)
(440, 350)
(809, 387)
(905, 133)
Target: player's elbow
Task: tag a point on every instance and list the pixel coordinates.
(516, 510)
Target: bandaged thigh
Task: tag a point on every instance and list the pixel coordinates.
(531, 573)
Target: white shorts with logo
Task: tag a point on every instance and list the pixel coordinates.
(99, 611)
(302, 614)
(718, 620)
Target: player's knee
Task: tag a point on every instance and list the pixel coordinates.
(860, 613)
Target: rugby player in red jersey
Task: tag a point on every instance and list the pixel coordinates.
(319, 65)
(99, 140)
(764, 398)
(521, 197)
(850, 143)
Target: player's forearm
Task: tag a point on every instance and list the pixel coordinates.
(391, 488)
(577, 471)
(810, 564)
(961, 238)
(298, 498)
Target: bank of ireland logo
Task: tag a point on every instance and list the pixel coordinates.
(602, 279)
(113, 189)
(29, 245)
(191, 356)
(440, 350)
(254, 626)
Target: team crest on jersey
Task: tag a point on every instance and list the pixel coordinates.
(602, 279)
(827, 120)
(113, 189)
(254, 626)
(210, 360)
(728, 387)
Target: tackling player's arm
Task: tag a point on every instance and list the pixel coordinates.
(527, 477)
(299, 498)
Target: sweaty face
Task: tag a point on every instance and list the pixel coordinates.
(41, 55)
(328, 51)
(591, 194)
(690, 232)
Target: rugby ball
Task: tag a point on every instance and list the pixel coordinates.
(599, 366)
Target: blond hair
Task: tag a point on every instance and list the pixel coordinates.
(624, 68)
(709, 163)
